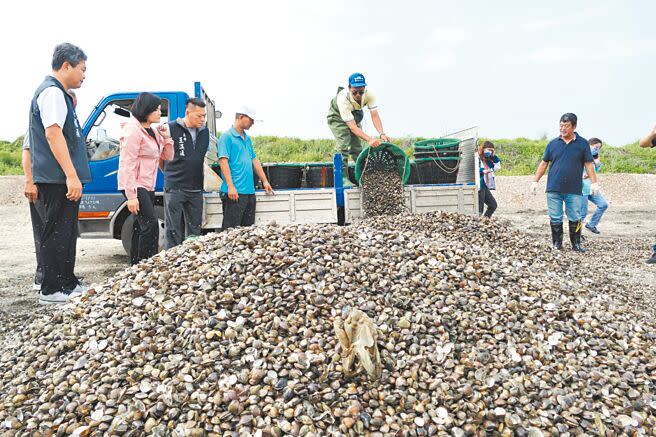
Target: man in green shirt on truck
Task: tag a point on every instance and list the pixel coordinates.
(345, 116)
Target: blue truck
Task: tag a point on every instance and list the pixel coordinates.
(103, 209)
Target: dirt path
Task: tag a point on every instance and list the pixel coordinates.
(631, 214)
(97, 260)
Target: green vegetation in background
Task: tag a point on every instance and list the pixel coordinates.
(286, 149)
(10, 157)
(520, 156)
(630, 158)
(283, 149)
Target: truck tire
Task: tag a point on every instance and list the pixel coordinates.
(126, 230)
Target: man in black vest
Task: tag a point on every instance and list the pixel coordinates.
(59, 168)
(36, 211)
(183, 175)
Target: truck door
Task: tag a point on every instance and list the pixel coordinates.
(212, 115)
(103, 135)
(102, 208)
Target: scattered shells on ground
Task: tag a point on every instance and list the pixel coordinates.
(480, 331)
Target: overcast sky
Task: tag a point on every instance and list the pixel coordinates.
(510, 67)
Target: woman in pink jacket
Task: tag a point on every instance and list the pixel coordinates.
(143, 150)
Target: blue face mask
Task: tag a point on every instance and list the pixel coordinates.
(487, 153)
(594, 150)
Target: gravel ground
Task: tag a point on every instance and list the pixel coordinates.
(628, 231)
(97, 260)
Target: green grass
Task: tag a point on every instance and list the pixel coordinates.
(630, 158)
(283, 149)
(520, 156)
(10, 157)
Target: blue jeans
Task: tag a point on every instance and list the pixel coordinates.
(555, 206)
(602, 206)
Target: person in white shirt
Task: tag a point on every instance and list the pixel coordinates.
(36, 208)
(60, 167)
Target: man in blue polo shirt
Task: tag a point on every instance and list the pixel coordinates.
(237, 160)
(566, 157)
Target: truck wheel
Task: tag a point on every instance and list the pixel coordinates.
(126, 230)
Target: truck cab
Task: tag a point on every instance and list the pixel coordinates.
(103, 209)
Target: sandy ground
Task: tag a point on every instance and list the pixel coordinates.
(630, 223)
(631, 214)
(97, 260)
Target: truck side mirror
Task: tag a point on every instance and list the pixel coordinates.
(122, 112)
(217, 114)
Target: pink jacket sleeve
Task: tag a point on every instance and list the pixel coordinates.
(167, 149)
(128, 161)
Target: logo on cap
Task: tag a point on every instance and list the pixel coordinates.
(357, 80)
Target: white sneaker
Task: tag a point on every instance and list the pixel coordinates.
(36, 287)
(79, 290)
(59, 297)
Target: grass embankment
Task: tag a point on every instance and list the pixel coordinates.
(10, 157)
(520, 156)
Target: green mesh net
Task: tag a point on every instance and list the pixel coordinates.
(386, 157)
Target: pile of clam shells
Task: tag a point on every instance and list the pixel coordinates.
(381, 193)
(480, 331)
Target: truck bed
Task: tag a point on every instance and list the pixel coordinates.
(285, 207)
(462, 198)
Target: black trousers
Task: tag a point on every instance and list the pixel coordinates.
(58, 238)
(183, 211)
(238, 213)
(485, 197)
(145, 230)
(36, 212)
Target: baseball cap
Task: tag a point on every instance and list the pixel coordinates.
(357, 80)
(248, 111)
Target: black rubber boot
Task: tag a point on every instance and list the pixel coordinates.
(575, 236)
(557, 235)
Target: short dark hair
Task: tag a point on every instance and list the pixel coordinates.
(569, 117)
(67, 52)
(594, 140)
(196, 102)
(488, 145)
(143, 105)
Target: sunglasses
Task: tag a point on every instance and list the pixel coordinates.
(358, 92)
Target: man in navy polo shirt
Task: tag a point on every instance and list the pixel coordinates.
(566, 157)
(237, 160)
(648, 141)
